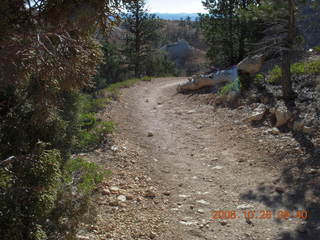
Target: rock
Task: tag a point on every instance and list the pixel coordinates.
(283, 115)
(129, 197)
(122, 198)
(80, 237)
(150, 134)
(203, 202)
(149, 194)
(275, 131)
(299, 126)
(105, 191)
(147, 100)
(201, 211)
(167, 193)
(114, 204)
(114, 148)
(114, 190)
(217, 168)
(184, 196)
(152, 235)
(257, 114)
(245, 206)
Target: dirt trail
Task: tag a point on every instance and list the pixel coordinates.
(203, 161)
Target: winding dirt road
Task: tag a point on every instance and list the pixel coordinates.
(203, 160)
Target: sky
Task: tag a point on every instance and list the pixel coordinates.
(175, 6)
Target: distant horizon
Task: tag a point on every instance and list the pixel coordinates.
(175, 7)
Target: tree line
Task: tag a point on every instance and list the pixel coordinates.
(234, 29)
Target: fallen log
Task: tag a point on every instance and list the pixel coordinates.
(251, 65)
(210, 80)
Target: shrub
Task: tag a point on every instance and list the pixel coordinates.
(28, 194)
(311, 67)
(275, 75)
(80, 179)
(90, 138)
(317, 49)
(233, 86)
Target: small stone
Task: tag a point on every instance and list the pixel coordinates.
(114, 190)
(105, 191)
(149, 194)
(217, 168)
(152, 235)
(114, 204)
(223, 222)
(201, 211)
(122, 198)
(79, 237)
(129, 197)
(275, 131)
(150, 134)
(203, 202)
(167, 193)
(245, 206)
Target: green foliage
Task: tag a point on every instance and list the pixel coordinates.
(80, 179)
(86, 175)
(142, 37)
(259, 78)
(29, 194)
(317, 49)
(230, 87)
(310, 67)
(158, 64)
(275, 75)
(226, 31)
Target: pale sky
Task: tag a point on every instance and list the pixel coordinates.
(175, 6)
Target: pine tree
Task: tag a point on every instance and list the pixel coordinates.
(142, 35)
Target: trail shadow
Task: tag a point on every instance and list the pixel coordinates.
(300, 191)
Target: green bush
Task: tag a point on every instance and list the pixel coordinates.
(85, 175)
(28, 194)
(275, 75)
(80, 179)
(228, 88)
(91, 138)
(311, 67)
(317, 49)
(259, 78)
(88, 121)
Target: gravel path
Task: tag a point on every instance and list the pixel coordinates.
(197, 161)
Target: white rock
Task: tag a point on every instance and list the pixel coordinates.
(114, 190)
(217, 168)
(122, 198)
(201, 211)
(184, 196)
(114, 148)
(80, 237)
(188, 223)
(204, 202)
(245, 206)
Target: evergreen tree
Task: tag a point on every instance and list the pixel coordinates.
(281, 35)
(226, 31)
(142, 36)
